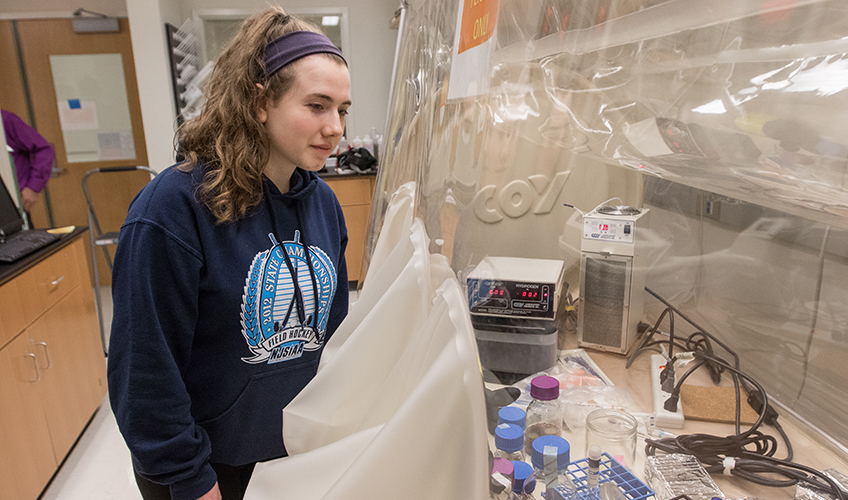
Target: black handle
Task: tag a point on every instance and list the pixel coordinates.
(117, 169)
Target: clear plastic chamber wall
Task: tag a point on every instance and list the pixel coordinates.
(728, 119)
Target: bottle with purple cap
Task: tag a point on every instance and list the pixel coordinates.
(544, 415)
(501, 482)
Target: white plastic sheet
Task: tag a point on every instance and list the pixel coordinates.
(396, 225)
(347, 395)
(399, 407)
(402, 274)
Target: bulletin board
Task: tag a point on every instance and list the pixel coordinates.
(94, 113)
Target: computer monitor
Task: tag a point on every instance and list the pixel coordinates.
(11, 220)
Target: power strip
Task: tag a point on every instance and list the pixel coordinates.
(663, 417)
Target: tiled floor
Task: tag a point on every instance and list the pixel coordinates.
(98, 467)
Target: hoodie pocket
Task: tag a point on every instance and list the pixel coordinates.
(251, 430)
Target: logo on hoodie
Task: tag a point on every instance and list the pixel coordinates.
(286, 304)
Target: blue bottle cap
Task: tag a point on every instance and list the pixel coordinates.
(512, 415)
(563, 451)
(509, 437)
(525, 480)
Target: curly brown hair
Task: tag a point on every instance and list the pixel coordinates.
(226, 137)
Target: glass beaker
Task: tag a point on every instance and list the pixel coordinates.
(615, 432)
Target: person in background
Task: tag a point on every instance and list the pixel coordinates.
(229, 276)
(33, 157)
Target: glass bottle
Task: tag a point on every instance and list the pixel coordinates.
(614, 431)
(544, 415)
(551, 456)
(502, 480)
(509, 441)
(525, 481)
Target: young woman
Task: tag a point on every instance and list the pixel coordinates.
(230, 276)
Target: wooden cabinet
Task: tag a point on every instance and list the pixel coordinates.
(26, 454)
(355, 194)
(52, 369)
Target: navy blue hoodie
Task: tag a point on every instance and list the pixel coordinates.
(215, 326)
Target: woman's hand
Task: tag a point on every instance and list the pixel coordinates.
(213, 494)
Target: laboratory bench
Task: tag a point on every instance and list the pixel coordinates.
(637, 380)
(355, 192)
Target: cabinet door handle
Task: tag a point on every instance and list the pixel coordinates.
(56, 282)
(35, 364)
(46, 354)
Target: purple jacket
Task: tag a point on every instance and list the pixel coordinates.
(33, 155)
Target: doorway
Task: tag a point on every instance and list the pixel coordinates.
(79, 91)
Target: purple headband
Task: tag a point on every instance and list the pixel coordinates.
(292, 46)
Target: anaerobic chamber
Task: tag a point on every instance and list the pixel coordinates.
(727, 119)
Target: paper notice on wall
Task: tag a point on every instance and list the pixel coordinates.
(75, 114)
(116, 145)
(472, 45)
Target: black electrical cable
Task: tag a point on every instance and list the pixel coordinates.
(702, 330)
(670, 332)
(696, 342)
(750, 465)
(649, 334)
(789, 451)
(757, 465)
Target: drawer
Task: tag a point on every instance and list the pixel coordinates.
(48, 281)
(352, 191)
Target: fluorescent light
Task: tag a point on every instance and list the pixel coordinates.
(330, 21)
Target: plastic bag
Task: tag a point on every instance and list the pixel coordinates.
(578, 402)
(574, 368)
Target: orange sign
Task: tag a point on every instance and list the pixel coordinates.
(478, 23)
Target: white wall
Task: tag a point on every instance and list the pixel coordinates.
(153, 73)
(369, 56)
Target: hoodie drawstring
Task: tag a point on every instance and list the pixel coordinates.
(299, 211)
(298, 294)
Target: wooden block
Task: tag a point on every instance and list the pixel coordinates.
(715, 404)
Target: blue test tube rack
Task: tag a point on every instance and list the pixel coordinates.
(609, 470)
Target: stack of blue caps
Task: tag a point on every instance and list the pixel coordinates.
(512, 415)
(509, 437)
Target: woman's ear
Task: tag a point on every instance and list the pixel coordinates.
(261, 105)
